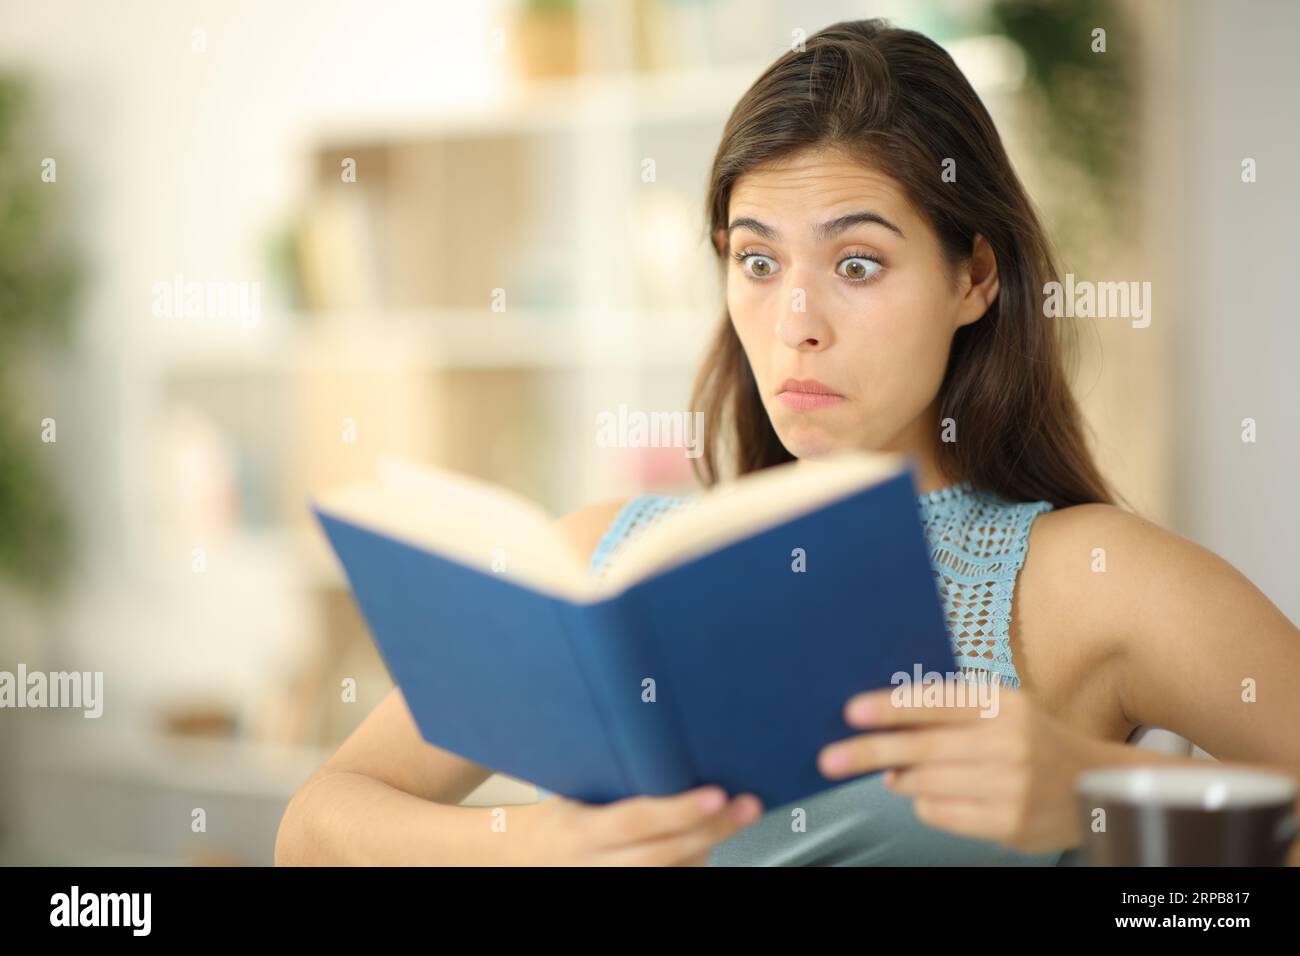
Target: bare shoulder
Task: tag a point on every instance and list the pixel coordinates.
(584, 527)
(1097, 581)
(1112, 548)
(1115, 576)
(1088, 553)
(1173, 631)
(1083, 537)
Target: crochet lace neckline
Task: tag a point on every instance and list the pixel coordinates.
(951, 492)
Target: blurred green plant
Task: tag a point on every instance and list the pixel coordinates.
(1089, 97)
(566, 6)
(38, 284)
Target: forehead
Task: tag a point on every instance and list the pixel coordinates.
(811, 183)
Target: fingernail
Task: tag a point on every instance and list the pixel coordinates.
(711, 800)
(743, 811)
(862, 712)
(835, 760)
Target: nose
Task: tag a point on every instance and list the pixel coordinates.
(800, 326)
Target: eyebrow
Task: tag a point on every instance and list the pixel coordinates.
(827, 230)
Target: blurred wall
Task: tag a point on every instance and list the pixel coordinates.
(1235, 246)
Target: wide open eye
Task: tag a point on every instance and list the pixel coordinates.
(756, 265)
(858, 268)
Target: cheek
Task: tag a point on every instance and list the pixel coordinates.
(899, 348)
(742, 299)
(749, 319)
(913, 331)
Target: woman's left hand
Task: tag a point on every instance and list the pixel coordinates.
(1007, 777)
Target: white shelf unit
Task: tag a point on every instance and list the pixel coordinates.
(612, 339)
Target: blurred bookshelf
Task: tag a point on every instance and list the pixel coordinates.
(383, 314)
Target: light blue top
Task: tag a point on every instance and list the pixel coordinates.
(977, 546)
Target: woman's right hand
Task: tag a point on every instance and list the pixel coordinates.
(639, 831)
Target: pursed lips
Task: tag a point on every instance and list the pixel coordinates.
(807, 394)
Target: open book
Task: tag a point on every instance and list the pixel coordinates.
(720, 647)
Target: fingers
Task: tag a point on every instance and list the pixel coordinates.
(972, 781)
(955, 701)
(640, 819)
(900, 748)
(690, 847)
(983, 819)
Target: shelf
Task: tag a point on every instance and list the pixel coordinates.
(208, 765)
(557, 106)
(450, 339)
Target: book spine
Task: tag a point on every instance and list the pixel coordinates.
(617, 664)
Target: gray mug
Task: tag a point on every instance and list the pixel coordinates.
(1187, 816)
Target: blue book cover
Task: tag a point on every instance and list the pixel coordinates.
(726, 659)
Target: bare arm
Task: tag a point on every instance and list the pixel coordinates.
(387, 796)
(1203, 652)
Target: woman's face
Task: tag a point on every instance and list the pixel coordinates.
(840, 287)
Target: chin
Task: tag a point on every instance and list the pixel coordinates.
(811, 442)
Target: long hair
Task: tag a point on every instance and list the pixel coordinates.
(895, 100)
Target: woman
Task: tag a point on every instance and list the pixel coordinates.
(884, 280)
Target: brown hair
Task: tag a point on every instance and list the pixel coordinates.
(896, 100)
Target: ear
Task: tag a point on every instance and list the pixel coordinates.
(720, 241)
(979, 282)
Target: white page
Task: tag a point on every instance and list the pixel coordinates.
(742, 508)
(472, 522)
(494, 530)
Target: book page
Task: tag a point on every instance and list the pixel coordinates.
(472, 522)
(746, 506)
